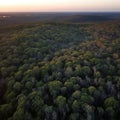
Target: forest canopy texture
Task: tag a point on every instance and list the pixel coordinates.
(60, 71)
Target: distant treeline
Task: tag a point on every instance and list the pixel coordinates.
(74, 17)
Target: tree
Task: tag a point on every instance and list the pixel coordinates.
(17, 86)
(57, 75)
(61, 103)
(100, 114)
(110, 113)
(97, 74)
(90, 112)
(74, 116)
(85, 98)
(91, 89)
(29, 85)
(19, 114)
(75, 106)
(110, 102)
(76, 86)
(35, 103)
(4, 71)
(6, 111)
(18, 75)
(64, 90)
(78, 70)
(86, 70)
(54, 87)
(69, 86)
(36, 72)
(68, 72)
(76, 94)
(48, 112)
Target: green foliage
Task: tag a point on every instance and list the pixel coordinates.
(74, 116)
(68, 71)
(5, 111)
(110, 102)
(78, 70)
(19, 114)
(17, 86)
(36, 72)
(54, 87)
(91, 89)
(76, 94)
(110, 113)
(18, 75)
(28, 85)
(68, 84)
(75, 105)
(86, 70)
(87, 99)
(60, 71)
(61, 102)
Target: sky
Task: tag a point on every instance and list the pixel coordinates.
(59, 5)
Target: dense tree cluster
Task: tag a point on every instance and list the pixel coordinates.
(59, 71)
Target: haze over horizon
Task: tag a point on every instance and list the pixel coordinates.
(59, 6)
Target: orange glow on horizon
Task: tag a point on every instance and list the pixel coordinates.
(58, 5)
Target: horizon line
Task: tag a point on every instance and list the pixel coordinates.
(53, 11)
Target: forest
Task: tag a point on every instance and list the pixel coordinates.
(60, 71)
